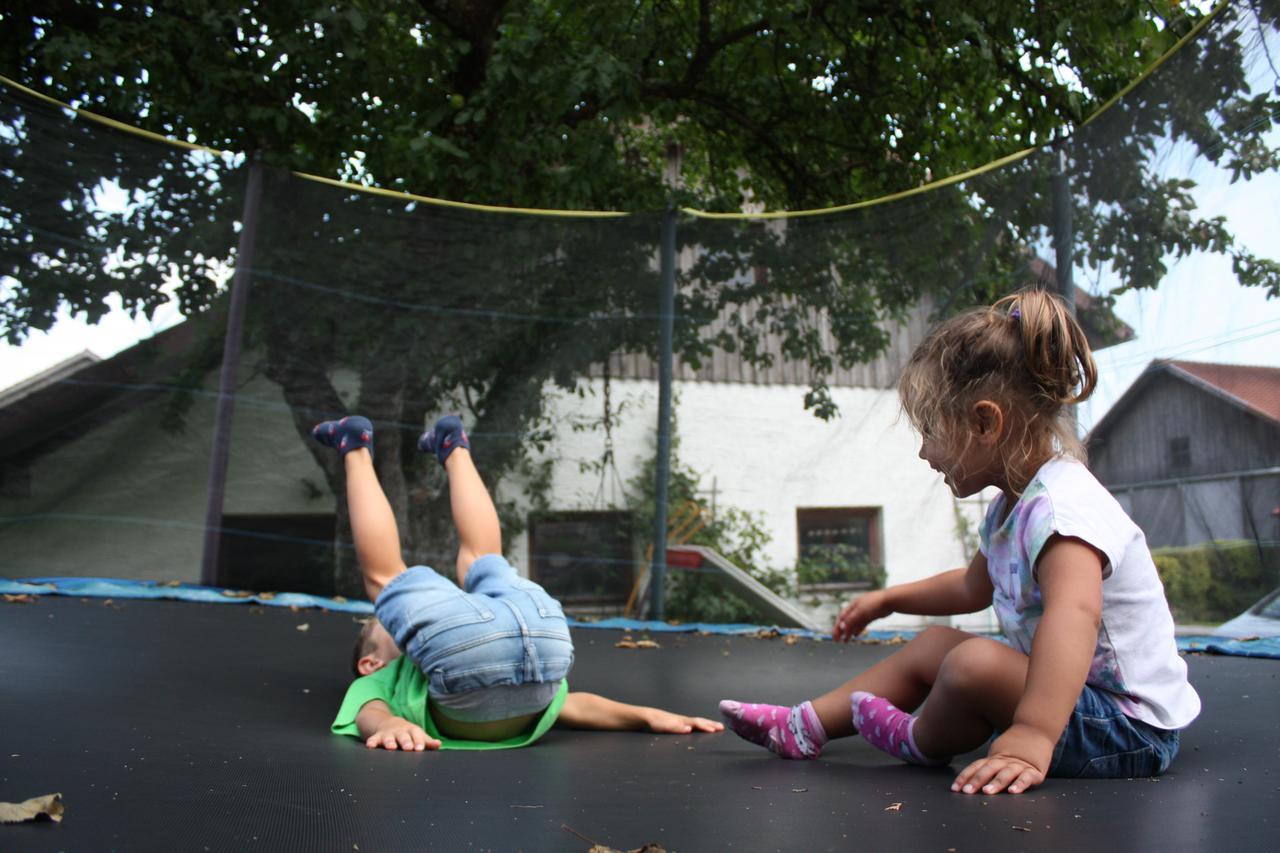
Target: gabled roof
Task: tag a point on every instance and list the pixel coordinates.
(47, 377)
(65, 399)
(1251, 388)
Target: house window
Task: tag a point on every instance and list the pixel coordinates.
(583, 558)
(1180, 453)
(839, 545)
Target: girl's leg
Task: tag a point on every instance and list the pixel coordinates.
(373, 524)
(978, 688)
(905, 678)
(474, 515)
(802, 730)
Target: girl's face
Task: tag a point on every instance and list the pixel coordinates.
(971, 467)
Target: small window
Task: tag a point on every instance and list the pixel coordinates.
(839, 545)
(1180, 453)
(583, 558)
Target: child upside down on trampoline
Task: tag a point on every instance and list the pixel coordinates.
(484, 661)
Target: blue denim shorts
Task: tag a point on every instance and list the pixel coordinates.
(501, 629)
(1100, 742)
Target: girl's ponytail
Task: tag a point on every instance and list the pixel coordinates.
(1056, 353)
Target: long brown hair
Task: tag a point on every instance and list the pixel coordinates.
(1027, 353)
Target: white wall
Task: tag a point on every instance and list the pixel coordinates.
(769, 456)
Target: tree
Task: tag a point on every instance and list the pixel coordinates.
(585, 106)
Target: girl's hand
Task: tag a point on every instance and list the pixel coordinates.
(859, 613)
(667, 723)
(1017, 761)
(398, 733)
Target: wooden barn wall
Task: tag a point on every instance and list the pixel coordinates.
(1222, 437)
(722, 366)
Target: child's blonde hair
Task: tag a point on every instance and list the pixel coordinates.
(1028, 354)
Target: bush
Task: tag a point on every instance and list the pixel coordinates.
(740, 536)
(839, 564)
(1215, 581)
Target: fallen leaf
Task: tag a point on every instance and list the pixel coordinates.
(266, 596)
(169, 584)
(49, 806)
(647, 644)
(626, 644)
(651, 847)
(22, 598)
(340, 598)
(893, 807)
(1020, 828)
(791, 639)
(798, 790)
(237, 593)
(305, 626)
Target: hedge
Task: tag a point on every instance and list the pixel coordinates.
(1215, 581)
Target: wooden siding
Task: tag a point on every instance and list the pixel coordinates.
(722, 366)
(1221, 437)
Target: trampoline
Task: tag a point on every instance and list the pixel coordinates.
(183, 726)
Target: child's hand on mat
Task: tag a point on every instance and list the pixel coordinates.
(859, 613)
(667, 723)
(1017, 761)
(397, 733)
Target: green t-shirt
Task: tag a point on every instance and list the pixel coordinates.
(404, 688)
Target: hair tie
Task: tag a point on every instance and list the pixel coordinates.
(1015, 314)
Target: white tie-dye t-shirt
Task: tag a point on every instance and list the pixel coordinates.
(1136, 658)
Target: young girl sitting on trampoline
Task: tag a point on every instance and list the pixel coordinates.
(1089, 682)
(484, 661)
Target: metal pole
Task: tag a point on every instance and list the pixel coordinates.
(662, 466)
(221, 452)
(1062, 237)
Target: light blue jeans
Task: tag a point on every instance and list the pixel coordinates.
(501, 629)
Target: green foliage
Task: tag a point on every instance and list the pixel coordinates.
(840, 563)
(1217, 580)
(739, 535)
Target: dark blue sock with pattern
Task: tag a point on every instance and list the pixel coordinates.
(445, 437)
(345, 435)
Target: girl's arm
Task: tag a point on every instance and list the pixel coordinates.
(965, 590)
(1070, 575)
(589, 711)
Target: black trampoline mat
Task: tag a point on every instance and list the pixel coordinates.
(178, 726)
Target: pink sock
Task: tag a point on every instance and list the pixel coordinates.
(887, 728)
(794, 732)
